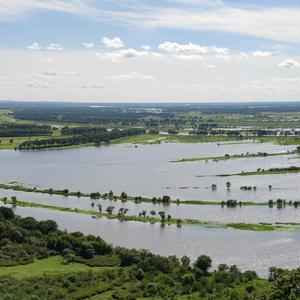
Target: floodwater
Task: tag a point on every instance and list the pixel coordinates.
(148, 171)
(216, 213)
(247, 249)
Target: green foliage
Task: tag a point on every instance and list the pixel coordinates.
(53, 264)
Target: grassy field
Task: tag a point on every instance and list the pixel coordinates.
(51, 265)
(5, 117)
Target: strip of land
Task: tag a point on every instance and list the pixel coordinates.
(237, 156)
(167, 221)
(105, 196)
(272, 171)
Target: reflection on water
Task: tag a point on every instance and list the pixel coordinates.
(247, 249)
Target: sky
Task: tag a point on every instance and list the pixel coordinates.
(150, 50)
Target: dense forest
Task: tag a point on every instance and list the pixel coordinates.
(80, 135)
(119, 273)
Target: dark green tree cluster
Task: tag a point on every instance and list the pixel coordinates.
(12, 130)
(90, 135)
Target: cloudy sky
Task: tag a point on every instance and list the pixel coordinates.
(150, 50)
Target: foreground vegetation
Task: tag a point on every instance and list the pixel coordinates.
(88, 268)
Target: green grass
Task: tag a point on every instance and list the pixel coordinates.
(51, 265)
(237, 156)
(5, 117)
(265, 172)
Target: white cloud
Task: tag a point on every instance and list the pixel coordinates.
(262, 53)
(221, 51)
(131, 75)
(88, 45)
(146, 47)
(34, 46)
(289, 63)
(189, 57)
(116, 56)
(279, 23)
(54, 47)
(244, 55)
(115, 42)
(172, 47)
(273, 23)
(221, 56)
(13, 9)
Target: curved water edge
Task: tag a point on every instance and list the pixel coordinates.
(248, 250)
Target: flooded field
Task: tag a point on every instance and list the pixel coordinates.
(148, 170)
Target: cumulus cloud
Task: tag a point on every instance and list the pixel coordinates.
(172, 47)
(289, 63)
(88, 45)
(131, 75)
(34, 46)
(262, 53)
(189, 57)
(146, 47)
(54, 47)
(193, 52)
(115, 42)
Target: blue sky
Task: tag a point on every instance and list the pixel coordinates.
(196, 50)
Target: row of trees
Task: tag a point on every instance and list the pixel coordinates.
(15, 129)
(96, 136)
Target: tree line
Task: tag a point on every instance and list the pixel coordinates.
(94, 135)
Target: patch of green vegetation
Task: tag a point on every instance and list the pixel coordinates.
(237, 156)
(51, 265)
(275, 171)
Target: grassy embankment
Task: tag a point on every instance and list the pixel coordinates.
(206, 224)
(22, 188)
(237, 156)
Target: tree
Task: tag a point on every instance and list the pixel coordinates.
(185, 261)
(162, 214)
(110, 209)
(87, 250)
(7, 213)
(228, 185)
(152, 213)
(47, 226)
(203, 263)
